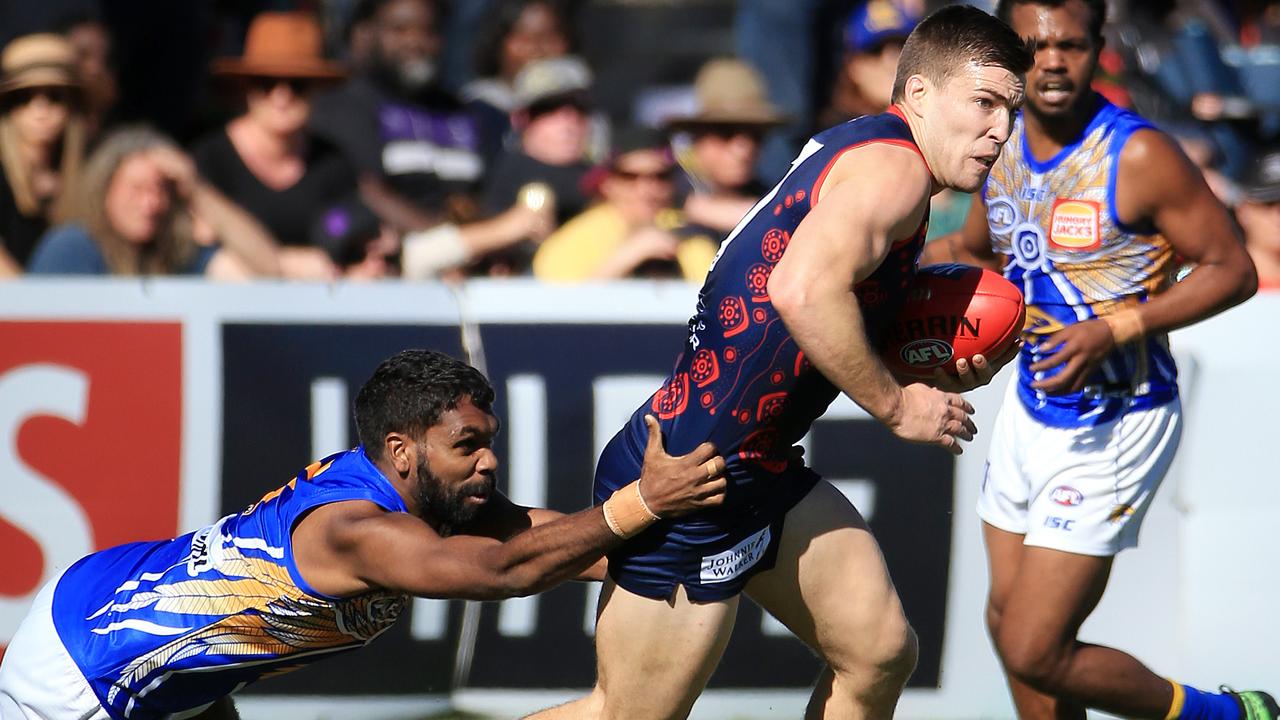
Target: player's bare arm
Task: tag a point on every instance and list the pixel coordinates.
(971, 244)
(1157, 183)
(353, 547)
(858, 214)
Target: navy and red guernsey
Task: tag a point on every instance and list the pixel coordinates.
(743, 384)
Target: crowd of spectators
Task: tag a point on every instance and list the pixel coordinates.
(349, 144)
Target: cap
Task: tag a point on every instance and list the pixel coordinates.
(876, 21)
(549, 78)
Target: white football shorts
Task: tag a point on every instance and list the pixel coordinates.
(38, 679)
(1080, 490)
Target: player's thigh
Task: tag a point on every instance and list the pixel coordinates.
(656, 655)
(1050, 596)
(830, 585)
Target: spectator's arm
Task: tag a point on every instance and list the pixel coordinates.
(718, 212)
(8, 266)
(237, 230)
(67, 250)
(391, 207)
(444, 247)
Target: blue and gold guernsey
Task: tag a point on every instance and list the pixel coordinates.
(159, 628)
(1075, 260)
(743, 384)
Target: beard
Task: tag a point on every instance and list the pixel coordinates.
(406, 78)
(446, 509)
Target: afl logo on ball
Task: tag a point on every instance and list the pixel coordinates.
(1064, 495)
(926, 353)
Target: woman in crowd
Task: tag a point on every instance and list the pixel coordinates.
(41, 140)
(265, 160)
(139, 208)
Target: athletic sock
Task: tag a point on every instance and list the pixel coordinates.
(1192, 704)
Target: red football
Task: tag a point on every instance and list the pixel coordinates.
(952, 311)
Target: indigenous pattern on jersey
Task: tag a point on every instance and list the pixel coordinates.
(162, 627)
(1075, 260)
(742, 382)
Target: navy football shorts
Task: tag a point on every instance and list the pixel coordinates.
(712, 553)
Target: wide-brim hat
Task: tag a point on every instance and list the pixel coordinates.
(40, 60)
(282, 44)
(729, 92)
(550, 79)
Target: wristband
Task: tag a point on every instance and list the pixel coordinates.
(1126, 325)
(626, 511)
(427, 253)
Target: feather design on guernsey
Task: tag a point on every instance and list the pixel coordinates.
(1055, 220)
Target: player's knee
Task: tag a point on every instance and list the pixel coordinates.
(1029, 659)
(893, 652)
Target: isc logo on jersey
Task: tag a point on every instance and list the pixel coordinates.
(1074, 226)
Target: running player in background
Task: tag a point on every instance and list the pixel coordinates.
(788, 319)
(1087, 210)
(171, 628)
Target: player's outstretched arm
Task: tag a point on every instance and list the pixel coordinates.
(873, 196)
(971, 244)
(400, 552)
(1158, 184)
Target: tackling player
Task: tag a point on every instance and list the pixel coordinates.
(1087, 210)
(324, 564)
(785, 322)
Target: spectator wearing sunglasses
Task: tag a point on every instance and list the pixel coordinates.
(719, 144)
(629, 232)
(266, 160)
(41, 141)
(548, 158)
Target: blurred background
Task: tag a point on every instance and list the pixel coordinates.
(216, 217)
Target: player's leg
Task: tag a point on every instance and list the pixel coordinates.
(1004, 558)
(654, 656)
(829, 586)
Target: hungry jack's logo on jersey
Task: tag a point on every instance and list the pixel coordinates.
(1074, 226)
(91, 426)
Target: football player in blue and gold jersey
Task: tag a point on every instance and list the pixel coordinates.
(1088, 210)
(325, 563)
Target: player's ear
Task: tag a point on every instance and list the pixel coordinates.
(914, 92)
(400, 451)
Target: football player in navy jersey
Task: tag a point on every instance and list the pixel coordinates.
(323, 564)
(788, 318)
(1089, 210)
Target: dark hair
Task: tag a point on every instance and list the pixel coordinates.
(1097, 12)
(955, 36)
(410, 391)
(502, 21)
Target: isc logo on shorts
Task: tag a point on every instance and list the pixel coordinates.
(1074, 226)
(725, 566)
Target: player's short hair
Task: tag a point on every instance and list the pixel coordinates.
(410, 391)
(1097, 12)
(954, 37)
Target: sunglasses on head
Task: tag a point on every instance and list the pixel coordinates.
(55, 95)
(543, 107)
(298, 86)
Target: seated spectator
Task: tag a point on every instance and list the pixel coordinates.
(520, 32)
(873, 38)
(629, 233)
(1259, 214)
(139, 208)
(548, 160)
(721, 143)
(416, 149)
(95, 67)
(265, 160)
(358, 244)
(41, 140)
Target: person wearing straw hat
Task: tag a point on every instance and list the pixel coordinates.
(266, 160)
(719, 144)
(41, 140)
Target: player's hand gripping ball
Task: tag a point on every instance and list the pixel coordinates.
(952, 311)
